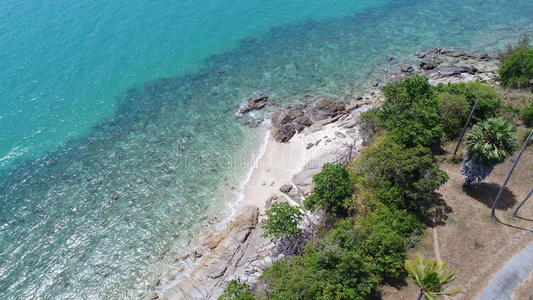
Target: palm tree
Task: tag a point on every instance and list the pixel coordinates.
(430, 277)
(488, 143)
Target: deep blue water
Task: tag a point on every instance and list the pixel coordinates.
(117, 135)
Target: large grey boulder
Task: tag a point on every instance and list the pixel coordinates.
(406, 68)
(324, 108)
(446, 71)
(255, 101)
(283, 133)
(304, 179)
(288, 121)
(429, 64)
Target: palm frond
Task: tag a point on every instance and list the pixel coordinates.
(430, 276)
(491, 141)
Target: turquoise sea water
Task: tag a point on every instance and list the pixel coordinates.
(117, 135)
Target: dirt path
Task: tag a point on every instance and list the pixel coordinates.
(436, 246)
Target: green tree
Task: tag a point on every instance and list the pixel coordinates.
(282, 221)
(489, 101)
(491, 142)
(430, 277)
(523, 43)
(517, 71)
(236, 290)
(348, 263)
(371, 125)
(402, 177)
(454, 110)
(332, 190)
(383, 217)
(488, 143)
(410, 113)
(332, 273)
(527, 115)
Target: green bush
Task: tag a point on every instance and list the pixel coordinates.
(333, 273)
(236, 290)
(527, 115)
(414, 89)
(348, 263)
(522, 44)
(489, 103)
(295, 278)
(384, 247)
(522, 135)
(282, 221)
(402, 177)
(517, 71)
(332, 190)
(454, 110)
(410, 112)
(370, 125)
(402, 222)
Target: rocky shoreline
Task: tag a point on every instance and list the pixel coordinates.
(302, 138)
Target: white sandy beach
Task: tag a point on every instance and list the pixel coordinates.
(239, 251)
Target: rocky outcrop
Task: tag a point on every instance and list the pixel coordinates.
(325, 108)
(447, 71)
(304, 179)
(226, 252)
(444, 66)
(288, 121)
(239, 252)
(255, 101)
(285, 188)
(429, 64)
(406, 68)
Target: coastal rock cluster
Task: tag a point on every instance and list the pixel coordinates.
(238, 252)
(444, 66)
(256, 101)
(295, 118)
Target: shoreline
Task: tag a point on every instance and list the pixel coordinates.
(276, 165)
(257, 156)
(238, 251)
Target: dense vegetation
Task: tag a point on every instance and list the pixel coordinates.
(397, 176)
(527, 114)
(517, 64)
(282, 221)
(332, 189)
(410, 113)
(489, 102)
(236, 290)
(379, 202)
(517, 71)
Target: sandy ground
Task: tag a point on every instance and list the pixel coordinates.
(281, 161)
(275, 168)
(472, 246)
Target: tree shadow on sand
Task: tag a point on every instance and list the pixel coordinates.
(487, 192)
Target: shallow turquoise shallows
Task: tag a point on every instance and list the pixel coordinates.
(117, 135)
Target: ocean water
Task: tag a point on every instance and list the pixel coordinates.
(117, 136)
